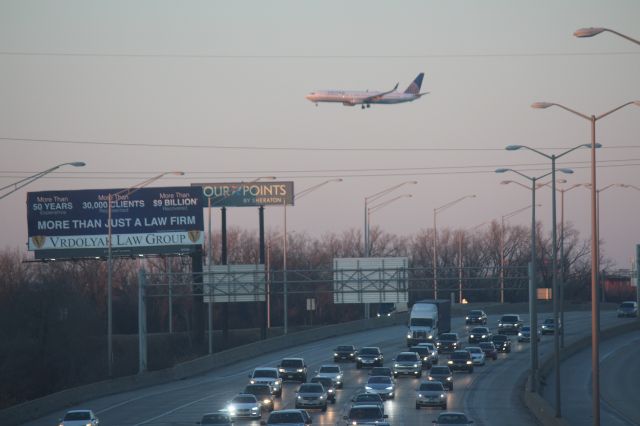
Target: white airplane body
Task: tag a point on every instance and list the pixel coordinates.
(366, 98)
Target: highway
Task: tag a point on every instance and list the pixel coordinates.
(490, 395)
(619, 375)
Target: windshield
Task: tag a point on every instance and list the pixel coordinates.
(266, 373)
(526, 328)
(275, 418)
(429, 346)
(450, 419)
(324, 381)
(626, 305)
(421, 322)
(369, 351)
(407, 357)
(474, 350)
(509, 318)
(379, 379)
(449, 336)
(78, 415)
(329, 369)
(344, 348)
(292, 363)
(258, 389)
(244, 399)
(311, 388)
(380, 371)
(480, 330)
(357, 413)
(368, 397)
(440, 370)
(499, 338)
(487, 345)
(460, 355)
(431, 387)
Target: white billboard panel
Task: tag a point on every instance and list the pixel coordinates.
(234, 283)
(371, 280)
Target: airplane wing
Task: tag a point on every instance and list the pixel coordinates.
(378, 96)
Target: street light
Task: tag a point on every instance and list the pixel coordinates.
(372, 198)
(435, 238)
(533, 314)
(26, 181)
(377, 207)
(460, 238)
(503, 217)
(595, 314)
(590, 32)
(285, 325)
(126, 192)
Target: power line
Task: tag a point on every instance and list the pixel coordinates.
(277, 148)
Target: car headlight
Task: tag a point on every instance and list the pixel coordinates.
(231, 409)
(415, 365)
(484, 336)
(351, 354)
(430, 377)
(266, 401)
(330, 390)
(278, 381)
(499, 324)
(431, 336)
(426, 358)
(254, 408)
(299, 370)
(299, 397)
(449, 378)
(359, 358)
(449, 362)
(335, 354)
(466, 318)
(321, 396)
(520, 333)
(408, 335)
(281, 370)
(396, 365)
(339, 377)
(472, 336)
(441, 395)
(378, 314)
(389, 387)
(469, 362)
(368, 387)
(253, 382)
(455, 344)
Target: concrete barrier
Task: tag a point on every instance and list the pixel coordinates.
(540, 407)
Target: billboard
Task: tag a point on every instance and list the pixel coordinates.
(371, 280)
(246, 194)
(234, 283)
(64, 224)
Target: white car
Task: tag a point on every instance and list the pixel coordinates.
(245, 405)
(79, 418)
(432, 349)
(477, 355)
(334, 372)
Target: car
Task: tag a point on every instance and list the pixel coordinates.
(628, 309)
(328, 385)
(448, 342)
(311, 395)
(433, 349)
(382, 385)
(479, 334)
(293, 369)
(369, 356)
(524, 335)
(460, 360)
(368, 399)
(502, 342)
(381, 371)
(425, 355)
(548, 326)
(365, 414)
(431, 394)
(443, 374)
(244, 405)
(477, 355)
(386, 309)
(263, 394)
(334, 372)
(288, 418)
(79, 418)
(452, 418)
(345, 352)
(476, 316)
(408, 364)
(217, 419)
(509, 323)
(269, 376)
(489, 350)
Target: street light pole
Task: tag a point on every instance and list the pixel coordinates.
(127, 192)
(590, 32)
(595, 308)
(26, 181)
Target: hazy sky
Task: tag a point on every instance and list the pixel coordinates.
(222, 85)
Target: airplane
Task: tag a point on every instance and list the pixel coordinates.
(365, 99)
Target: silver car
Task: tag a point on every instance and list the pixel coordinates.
(431, 394)
(245, 405)
(382, 385)
(477, 355)
(452, 418)
(269, 376)
(333, 371)
(407, 363)
(433, 350)
(311, 395)
(79, 418)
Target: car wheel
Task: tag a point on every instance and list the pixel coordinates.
(324, 408)
(419, 374)
(395, 376)
(279, 394)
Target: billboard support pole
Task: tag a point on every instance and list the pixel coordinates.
(142, 323)
(262, 310)
(223, 261)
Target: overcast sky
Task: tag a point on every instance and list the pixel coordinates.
(222, 86)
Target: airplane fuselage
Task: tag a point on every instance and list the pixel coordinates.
(351, 98)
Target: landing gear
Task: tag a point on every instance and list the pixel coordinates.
(365, 106)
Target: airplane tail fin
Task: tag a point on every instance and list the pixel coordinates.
(414, 88)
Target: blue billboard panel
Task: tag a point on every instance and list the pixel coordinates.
(246, 194)
(144, 220)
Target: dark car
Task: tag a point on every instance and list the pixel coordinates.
(328, 384)
(476, 316)
(509, 323)
(489, 350)
(263, 394)
(368, 399)
(460, 360)
(425, 355)
(369, 356)
(448, 342)
(548, 326)
(451, 418)
(479, 334)
(502, 342)
(345, 352)
(365, 414)
(217, 419)
(628, 309)
(381, 371)
(442, 373)
(312, 395)
(293, 369)
(288, 417)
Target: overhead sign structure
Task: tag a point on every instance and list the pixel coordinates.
(371, 280)
(234, 283)
(74, 224)
(246, 194)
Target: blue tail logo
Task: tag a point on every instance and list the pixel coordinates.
(414, 88)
